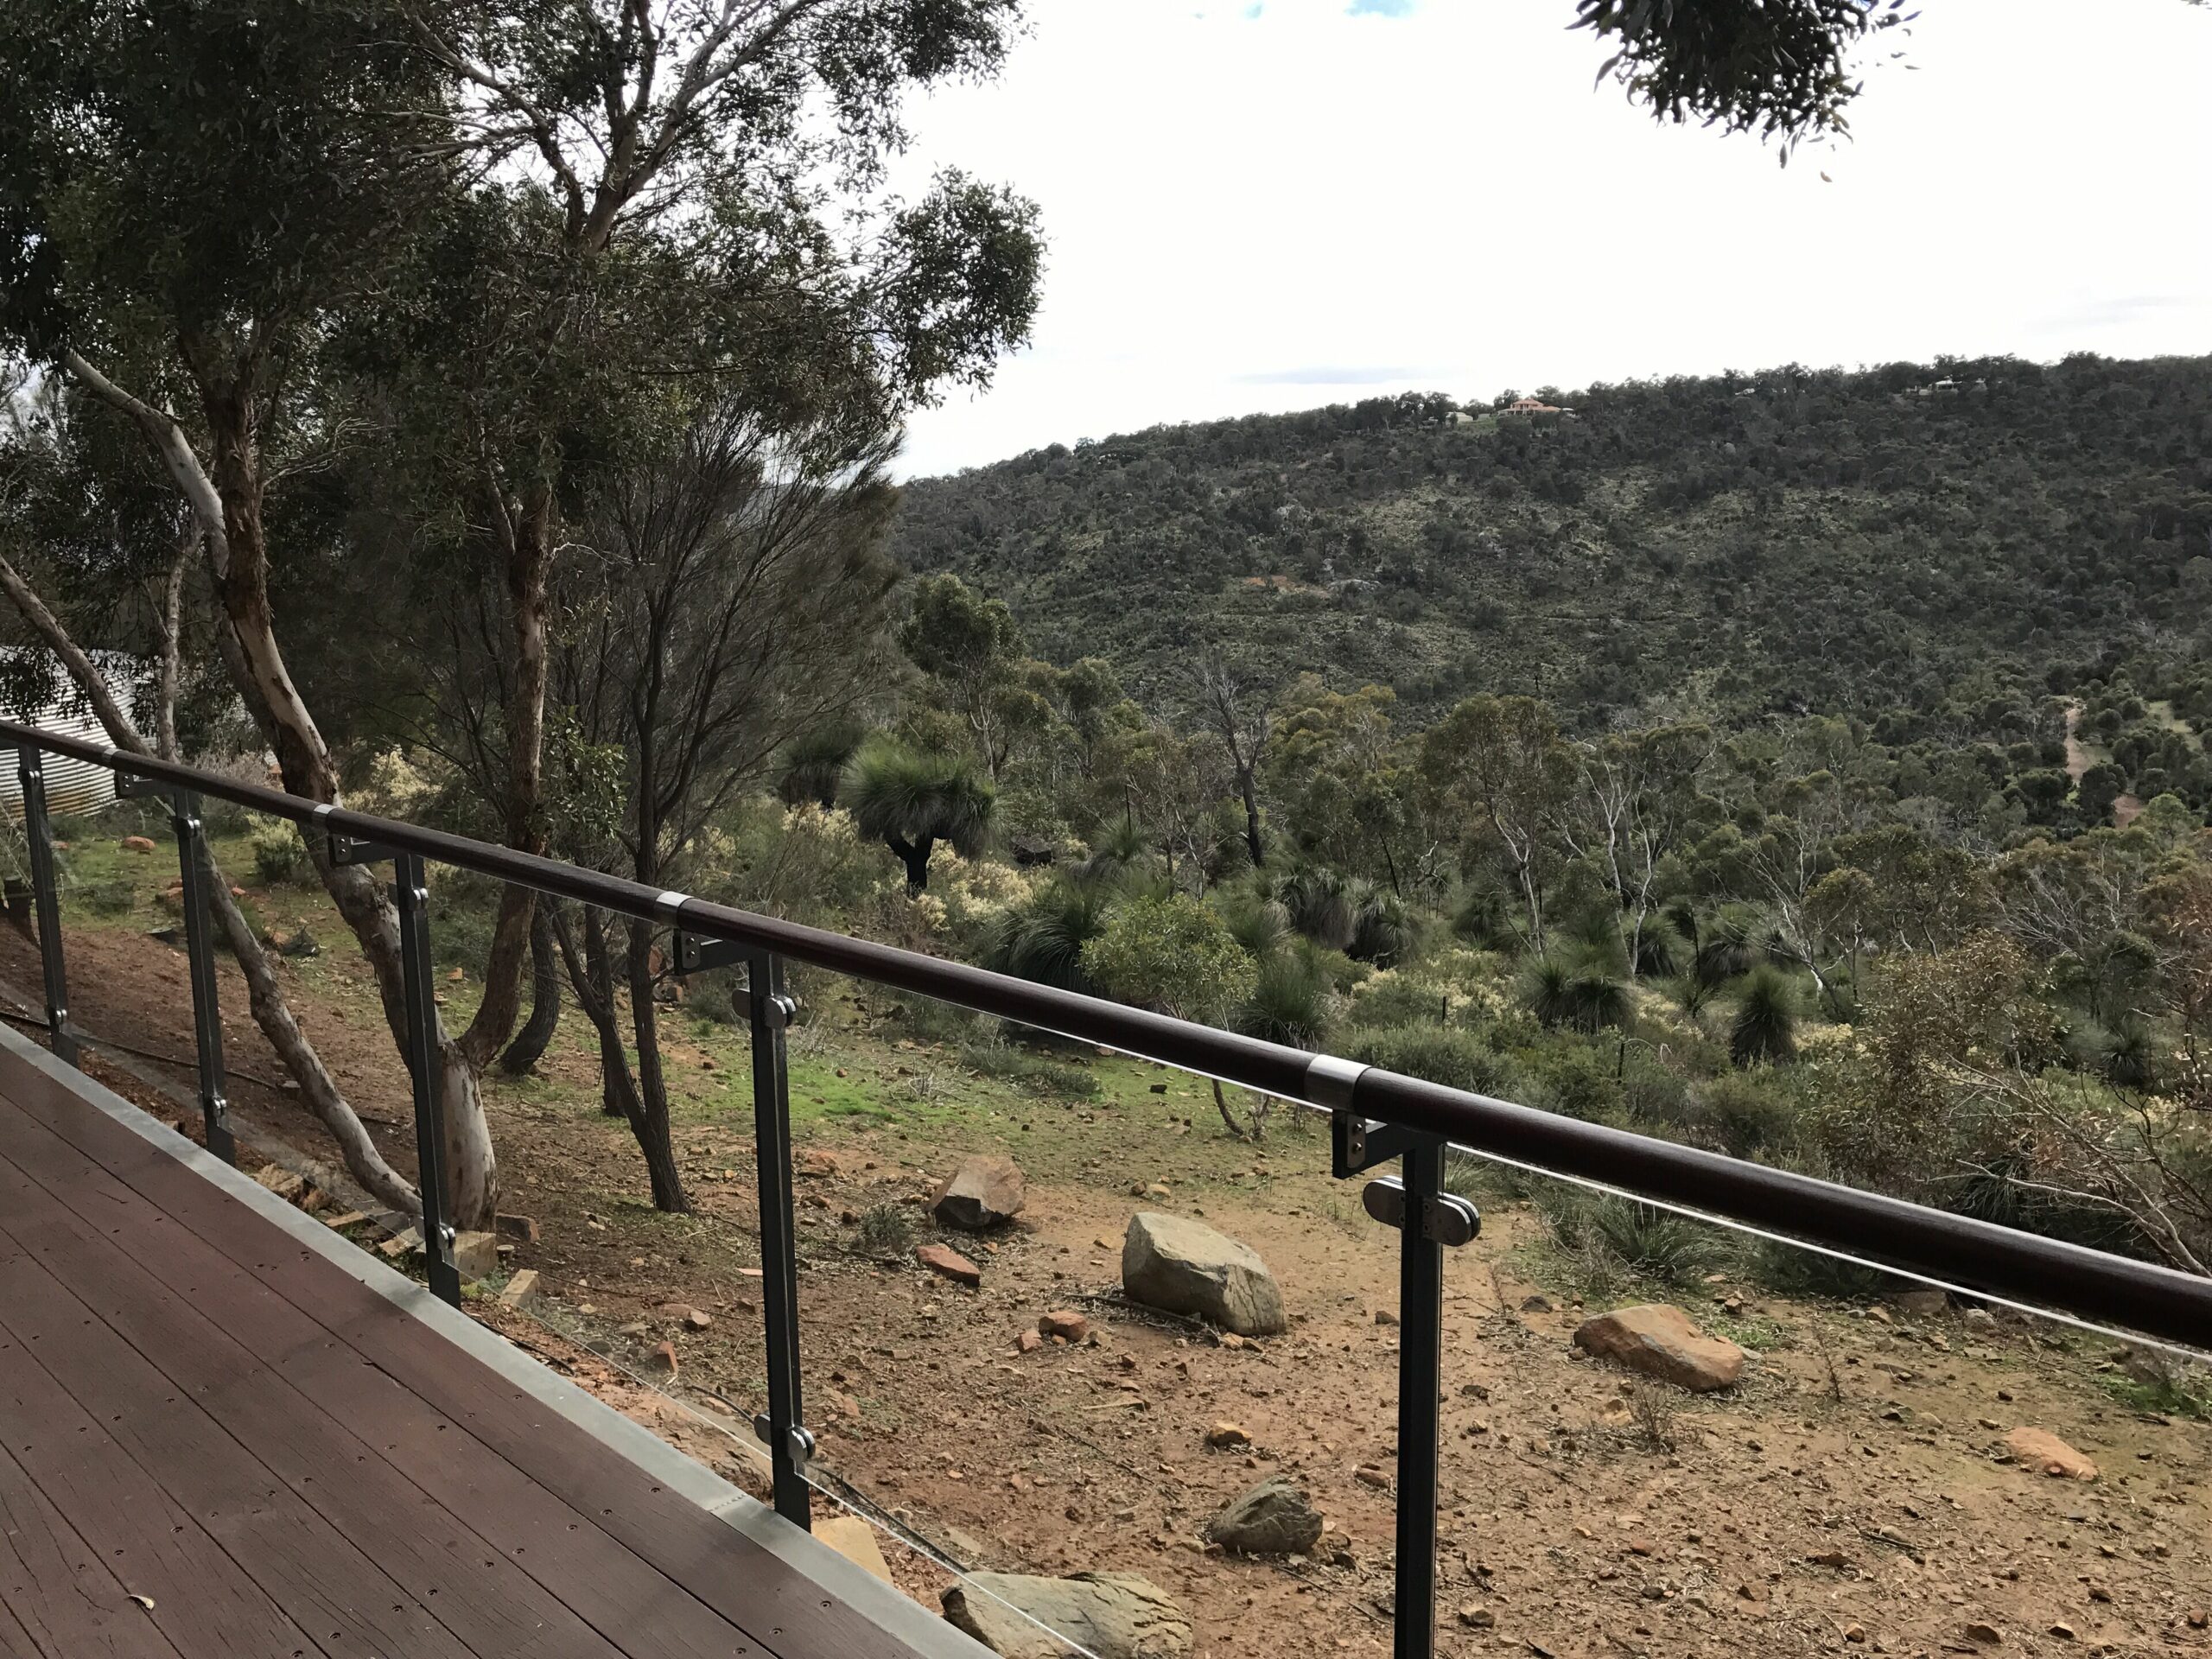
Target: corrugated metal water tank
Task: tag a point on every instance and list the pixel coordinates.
(72, 786)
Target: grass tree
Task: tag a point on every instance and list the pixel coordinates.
(1765, 1026)
(911, 799)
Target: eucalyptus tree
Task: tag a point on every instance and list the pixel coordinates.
(727, 597)
(189, 193)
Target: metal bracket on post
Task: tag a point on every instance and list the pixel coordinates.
(783, 1428)
(346, 849)
(47, 898)
(411, 894)
(200, 954)
(695, 955)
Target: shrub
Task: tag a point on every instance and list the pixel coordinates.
(279, 855)
(1765, 1026)
(1745, 1115)
(1653, 1243)
(1458, 1059)
(1392, 999)
(1172, 954)
(885, 1229)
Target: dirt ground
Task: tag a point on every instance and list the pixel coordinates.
(1853, 1494)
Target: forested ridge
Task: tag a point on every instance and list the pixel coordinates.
(1930, 547)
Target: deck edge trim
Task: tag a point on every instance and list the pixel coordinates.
(899, 1618)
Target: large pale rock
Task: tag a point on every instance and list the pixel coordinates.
(1186, 1267)
(1273, 1518)
(2044, 1453)
(1659, 1340)
(984, 1193)
(1113, 1615)
(854, 1540)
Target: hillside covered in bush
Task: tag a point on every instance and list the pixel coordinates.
(1926, 548)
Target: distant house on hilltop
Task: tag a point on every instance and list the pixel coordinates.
(1535, 406)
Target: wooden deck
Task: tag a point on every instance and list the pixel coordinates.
(223, 1431)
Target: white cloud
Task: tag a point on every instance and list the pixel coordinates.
(1249, 212)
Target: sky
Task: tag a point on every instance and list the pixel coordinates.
(1259, 208)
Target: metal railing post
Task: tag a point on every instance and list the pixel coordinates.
(1421, 1385)
(411, 894)
(38, 835)
(789, 1444)
(199, 953)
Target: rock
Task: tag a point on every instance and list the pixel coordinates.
(1384, 1316)
(1028, 1342)
(521, 1228)
(1980, 1321)
(2044, 1453)
(521, 1290)
(1112, 1615)
(854, 1540)
(1065, 1323)
(1476, 1618)
(1368, 1475)
(1854, 1631)
(2062, 1630)
(281, 1181)
(1186, 1267)
(137, 844)
(664, 1358)
(1659, 1340)
(943, 1258)
(1986, 1633)
(1222, 1436)
(1535, 1304)
(1920, 1303)
(1273, 1518)
(475, 1255)
(984, 1193)
(815, 1162)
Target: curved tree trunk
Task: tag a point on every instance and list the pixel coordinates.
(537, 1035)
(228, 504)
(266, 997)
(651, 1122)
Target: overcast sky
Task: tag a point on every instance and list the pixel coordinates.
(1275, 205)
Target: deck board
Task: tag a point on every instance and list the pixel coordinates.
(286, 1461)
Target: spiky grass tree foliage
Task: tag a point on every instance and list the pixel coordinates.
(1289, 1001)
(1119, 847)
(910, 800)
(1382, 930)
(1658, 951)
(1580, 992)
(1323, 904)
(1259, 924)
(815, 764)
(1043, 940)
(1765, 1028)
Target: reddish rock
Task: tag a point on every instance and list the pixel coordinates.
(943, 1259)
(1028, 1342)
(1065, 1323)
(664, 1358)
(2044, 1453)
(1660, 1340)
(137, 844)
